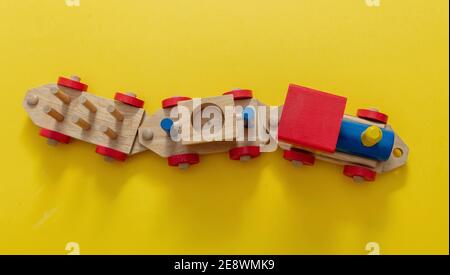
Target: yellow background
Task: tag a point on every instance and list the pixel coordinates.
(394, 57)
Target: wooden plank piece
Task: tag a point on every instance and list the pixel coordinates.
(311, 118)
(126, 130)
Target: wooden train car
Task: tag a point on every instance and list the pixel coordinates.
(158, 131)
(66, 110)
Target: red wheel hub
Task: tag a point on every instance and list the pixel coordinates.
(303, 157)
(73, 84)
(191, 159)
(109, 152)
(359, 171)
(240, 94)
(54, 135)
(238, 152)
(372, 115)
(130, 100)
(173, 101)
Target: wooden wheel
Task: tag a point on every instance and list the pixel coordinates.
(372, 115)
(300, 157)
(111, 153)
(240, 94)
(359, 173)
(173, 101)
(183, 161)
(54, 135)
(72, 84)
(244, 152)
(129, 99)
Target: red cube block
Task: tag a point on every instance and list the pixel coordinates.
(311, 119)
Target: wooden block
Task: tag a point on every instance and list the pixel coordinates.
(126, 130)
(218, 102)
(311, 119)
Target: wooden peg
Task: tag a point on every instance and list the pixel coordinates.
(108, 131)
(115, 113)
(147, 134)
(60, 95)
(75, 78)
(80, 122)
(32, 100)
(89, 105)
(371, 136)
(53, 113)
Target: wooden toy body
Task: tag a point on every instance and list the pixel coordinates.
(126, 129)
(162, 144)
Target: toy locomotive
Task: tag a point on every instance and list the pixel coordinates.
(311, 124)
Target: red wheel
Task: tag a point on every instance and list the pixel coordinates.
(359, 173)
(129, 99)
(240, 94)
(108, 152)
(244, 152)
(173, 101)
(183, 160)
(372, 115)
(54, 135)
(73, 84)
(302, 157)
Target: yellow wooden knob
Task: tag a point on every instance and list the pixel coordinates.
(371, 136)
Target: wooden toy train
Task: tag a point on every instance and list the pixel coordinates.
(311, 124)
